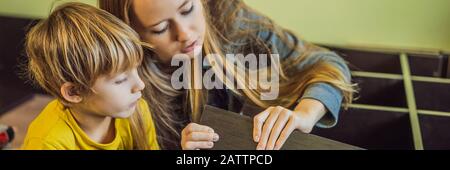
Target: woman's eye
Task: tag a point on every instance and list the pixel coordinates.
(188, 11)
(121, 81)
(184, 13)
(161, 30)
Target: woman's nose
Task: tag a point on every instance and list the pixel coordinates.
(183, 33)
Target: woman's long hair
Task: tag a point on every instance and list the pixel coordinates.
(222, 37)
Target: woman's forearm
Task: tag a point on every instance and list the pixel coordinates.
(310, 112)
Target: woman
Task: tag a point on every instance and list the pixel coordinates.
(313, 81)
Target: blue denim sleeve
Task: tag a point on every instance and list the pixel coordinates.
(331, 99)
(327, 94)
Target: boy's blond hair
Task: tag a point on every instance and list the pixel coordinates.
(78, 43)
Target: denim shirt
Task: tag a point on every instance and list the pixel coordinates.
(328, 95)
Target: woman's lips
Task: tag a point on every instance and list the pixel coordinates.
(189, 48)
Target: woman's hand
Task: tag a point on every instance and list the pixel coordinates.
(273, 126)
(195, 136)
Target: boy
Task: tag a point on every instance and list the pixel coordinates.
(88, 60)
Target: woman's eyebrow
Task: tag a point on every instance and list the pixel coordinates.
(181, 6)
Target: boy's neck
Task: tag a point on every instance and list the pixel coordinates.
(100, 129)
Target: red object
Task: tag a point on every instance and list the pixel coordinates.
(4, 139)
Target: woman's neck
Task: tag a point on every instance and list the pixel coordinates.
(100, 129)
(167, 69)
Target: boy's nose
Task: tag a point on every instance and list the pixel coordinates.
(139, 86)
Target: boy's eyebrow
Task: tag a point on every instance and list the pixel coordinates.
(181, 6)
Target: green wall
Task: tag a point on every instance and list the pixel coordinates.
(391, 23)
(32, 8)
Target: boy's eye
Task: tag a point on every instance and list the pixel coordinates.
(121, 81)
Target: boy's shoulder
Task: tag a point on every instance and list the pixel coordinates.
(50, 125)
(147, 115)
(144, 107)
(145, 111)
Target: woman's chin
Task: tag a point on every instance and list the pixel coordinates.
(196, 53)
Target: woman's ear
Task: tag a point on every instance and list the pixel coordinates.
(70, 93)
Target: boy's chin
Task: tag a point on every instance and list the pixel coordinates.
(124, 114)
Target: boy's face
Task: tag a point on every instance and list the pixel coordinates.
(115, 95)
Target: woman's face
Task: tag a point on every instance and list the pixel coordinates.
(171, 26)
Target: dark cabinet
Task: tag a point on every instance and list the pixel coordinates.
(13, 87)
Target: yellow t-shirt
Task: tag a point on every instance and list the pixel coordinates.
(56, 129)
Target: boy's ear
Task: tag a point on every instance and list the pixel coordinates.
(71, 93)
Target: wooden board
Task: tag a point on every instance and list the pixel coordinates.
(235, 133)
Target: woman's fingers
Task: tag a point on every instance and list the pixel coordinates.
(258, 122)
(288, 129)
(267, 127)
(277, 128)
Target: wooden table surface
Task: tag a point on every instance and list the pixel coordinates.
(235, 133)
